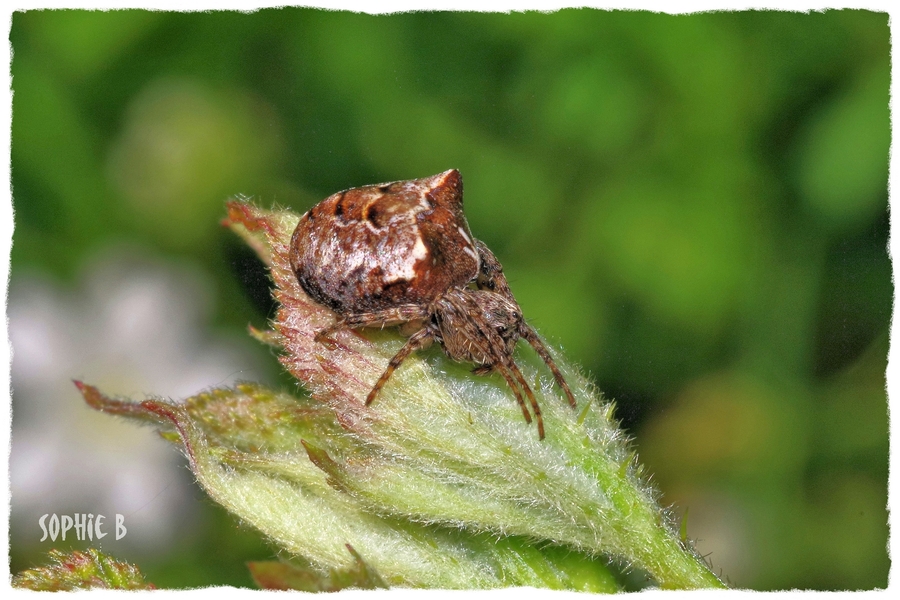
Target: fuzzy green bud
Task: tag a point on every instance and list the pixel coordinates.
(438, 483)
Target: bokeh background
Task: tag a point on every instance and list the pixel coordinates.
(693, 207)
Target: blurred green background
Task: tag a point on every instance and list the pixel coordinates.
(693, 207)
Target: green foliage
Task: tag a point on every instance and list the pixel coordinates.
(81, 571)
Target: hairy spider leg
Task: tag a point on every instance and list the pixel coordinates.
(393, 316)
(527, 332)
(507, 367)
(416, 341)
(514, 386)
(534, 404)
(396, 315)
(491, 278)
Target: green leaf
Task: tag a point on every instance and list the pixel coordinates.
(246, 447)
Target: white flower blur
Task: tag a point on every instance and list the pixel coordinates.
(133, 327)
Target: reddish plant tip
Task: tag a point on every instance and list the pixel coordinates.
(239, 212)
(242, 213)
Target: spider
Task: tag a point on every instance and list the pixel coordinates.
(401, 253)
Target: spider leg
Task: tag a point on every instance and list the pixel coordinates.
(484, 346)
(416, 341)
(483, 339)
(529, 334)
(514, 386)
(390, 316)
(507, 368)
(490, 276)
(534, 405)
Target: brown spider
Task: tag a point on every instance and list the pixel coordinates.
(401, 253)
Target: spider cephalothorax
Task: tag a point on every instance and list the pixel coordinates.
(401, 253)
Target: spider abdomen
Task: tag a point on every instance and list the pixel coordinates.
(374, 247)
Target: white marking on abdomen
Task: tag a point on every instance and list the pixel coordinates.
(408, 271)
(419, 250)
